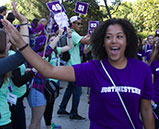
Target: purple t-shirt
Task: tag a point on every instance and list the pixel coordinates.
(148, 51)
(155, 70)
(41, 29)
(106, 112)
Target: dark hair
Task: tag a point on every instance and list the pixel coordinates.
(39, 43)
(35, 22)
(3, 42)
(97, 38)
(156, 35)
(154, 54)
(3, 8)
(10, 17)
(149, 36)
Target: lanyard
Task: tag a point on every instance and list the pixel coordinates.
(56, 58)
(10, 87)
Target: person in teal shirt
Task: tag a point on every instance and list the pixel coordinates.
(18, 87)
(9, 87)
(9, 63)
(75, 24)
(55, 61)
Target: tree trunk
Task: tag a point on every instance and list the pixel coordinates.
(107, 8)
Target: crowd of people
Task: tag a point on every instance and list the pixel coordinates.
(121, 73)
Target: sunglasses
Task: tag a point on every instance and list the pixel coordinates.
(78, 23)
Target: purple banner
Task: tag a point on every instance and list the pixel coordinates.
(90, 32)
(92, 25)
(55, 7)
(81, 7)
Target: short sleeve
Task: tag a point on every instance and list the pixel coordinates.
(76, 38)
(48, 51)
(58, 50)
(148, 91)
(15, 59)
(40, 28)
(83, 74)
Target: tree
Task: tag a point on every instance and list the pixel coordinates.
(38, 9)
(107, 8)
(145, 15)
(115, 3)
(94, 12)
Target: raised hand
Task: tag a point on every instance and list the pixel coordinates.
(19, 16)
(14, 35)
(69, 32)
(61, 30)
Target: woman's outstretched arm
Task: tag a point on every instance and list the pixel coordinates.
(45, 68)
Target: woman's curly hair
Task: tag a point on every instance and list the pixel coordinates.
(98, 36)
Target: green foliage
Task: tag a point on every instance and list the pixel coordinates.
(124, 10)
(38, 9)
(33, 8)
(144, 34)
(143, 14)
(93, 13)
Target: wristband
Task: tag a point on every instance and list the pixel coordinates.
(22, 48)
(25, 35)
(24, 24)
(34, 73)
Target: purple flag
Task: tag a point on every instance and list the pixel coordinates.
(81, 7)
(92, 25)
(55, 7)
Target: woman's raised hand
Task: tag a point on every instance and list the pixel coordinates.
(69, 32)
(14, 35)
(61, 30)
(19, 16)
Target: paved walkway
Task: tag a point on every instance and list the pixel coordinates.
(65, 122)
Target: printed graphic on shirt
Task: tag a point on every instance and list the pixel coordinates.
(157, 69)
(126, 89)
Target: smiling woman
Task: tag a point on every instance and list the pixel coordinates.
(136, 75)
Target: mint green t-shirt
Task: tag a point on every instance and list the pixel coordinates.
(4, 106)
(55, 60)
(19, 91)
(74, 51)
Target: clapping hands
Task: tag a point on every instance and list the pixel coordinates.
(19, 16)
(14, 35)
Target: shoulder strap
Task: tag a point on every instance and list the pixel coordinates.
(121, 100)
(1, 83)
